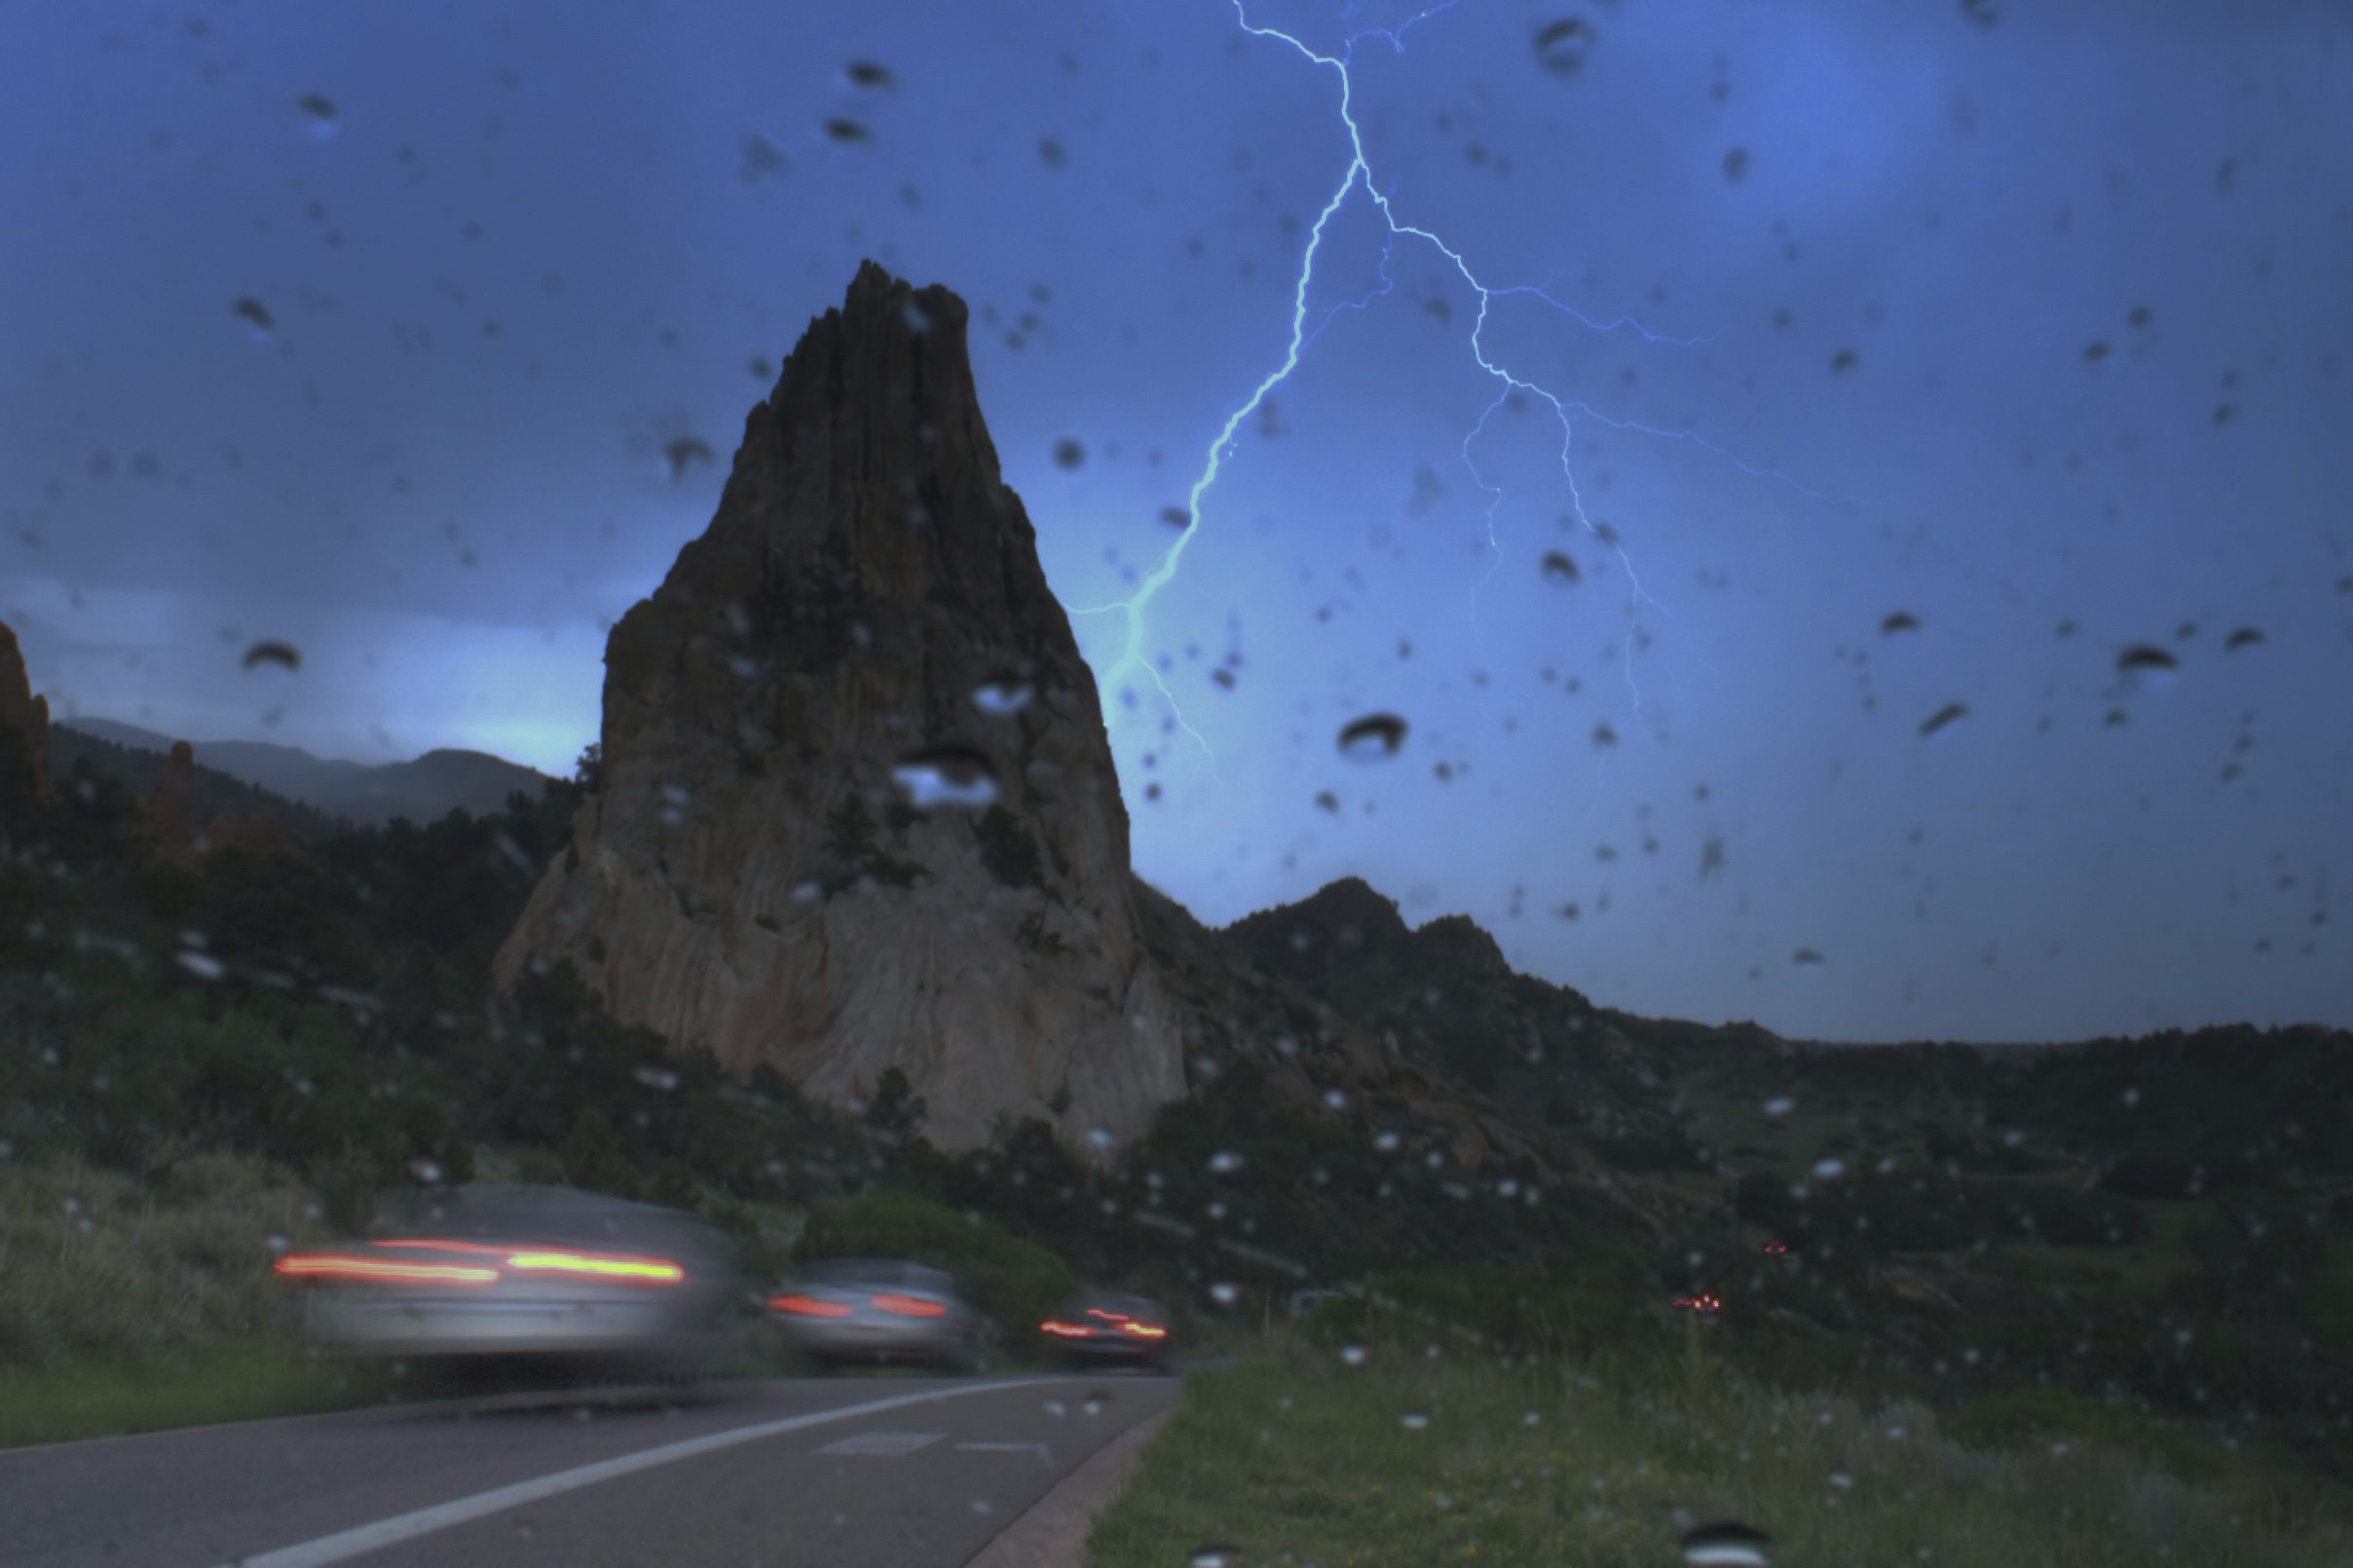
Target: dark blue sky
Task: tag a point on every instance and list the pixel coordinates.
(1795, 321)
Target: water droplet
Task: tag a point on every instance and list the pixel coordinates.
(254, 315)
(683, 451)
(1334, 1098)
(1386, 1143)
(2244, 636)
(866, 73)
(1225, 1160)
(1372, 738)
(946, 775)
(1001, 697)
(1559, 568)
(654, 1077)
(1352, 1355)
(1900, 621)
(1727, 1544)
(2145, 667)
(1563, 47)
(201, 965)
(1806, 958)
(1841, 1479)
(281, 656)
(1829, 1169)
(425, 1172)
(1779, 1105)
(1069, 453)
(1225, 1294)
(846, 131)
(1950, 714)
(1413, 1421)
(1056, 1407)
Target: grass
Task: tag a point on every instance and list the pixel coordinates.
(1293, 1456)
(130, 1305)
(227, 1380)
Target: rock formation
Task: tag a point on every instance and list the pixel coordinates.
(857, 808)
(167, 814)
(23, 736)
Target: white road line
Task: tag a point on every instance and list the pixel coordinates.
(351, 1543)
(1045, 1455)
(883, 1445)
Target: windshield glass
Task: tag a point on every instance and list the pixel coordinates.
(1612, 737)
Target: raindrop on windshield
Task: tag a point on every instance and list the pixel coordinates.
(1372, 738)
(1944, 718)
(1559, 568)
(1900, 621)
(1727, 1544)
(320, 110)
(1563, 47)
(999, 699)
(1225, 1294)
(946, 775)
(683, 451)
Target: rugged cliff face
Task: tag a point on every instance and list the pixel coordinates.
(23, 736)
(857, 809)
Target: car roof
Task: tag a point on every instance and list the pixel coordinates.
(879, 1271)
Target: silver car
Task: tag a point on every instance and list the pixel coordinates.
(876, 1310)
(522, 1270)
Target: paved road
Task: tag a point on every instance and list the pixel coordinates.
(835, 1473)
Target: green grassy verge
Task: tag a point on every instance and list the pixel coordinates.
(1293, 1456)
(229, 1380)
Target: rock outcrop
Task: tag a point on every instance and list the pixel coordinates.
(23, 736)
(168, 815)
(857, 808)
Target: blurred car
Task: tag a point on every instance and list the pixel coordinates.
(523, 1270)
(1100, 1327)
(863, 1309)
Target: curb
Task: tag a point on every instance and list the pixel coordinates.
(1052, 1533)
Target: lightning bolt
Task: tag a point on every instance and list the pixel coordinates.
(1132, 656)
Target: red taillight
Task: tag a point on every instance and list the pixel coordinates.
(317, 1265)
(1069, 1330)
(909, 1306)
(1143, 1331)
(801, 1306)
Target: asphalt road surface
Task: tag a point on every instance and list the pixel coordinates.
(833, 1472)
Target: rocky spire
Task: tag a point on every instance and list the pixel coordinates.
(857, 807)
(23, 736)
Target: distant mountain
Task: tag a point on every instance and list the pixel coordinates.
(422, 791)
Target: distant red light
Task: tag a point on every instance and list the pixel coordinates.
(800, 1306)
(1069, 1330)
(1700, 1303)
(909, 1306)
(1774, 1246)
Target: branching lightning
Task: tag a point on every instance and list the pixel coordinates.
(1132, 656)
